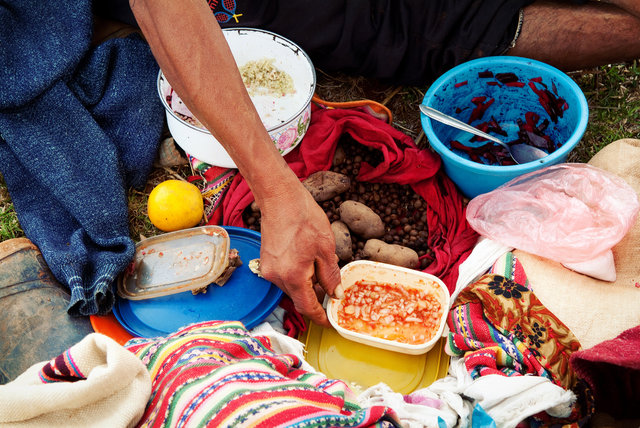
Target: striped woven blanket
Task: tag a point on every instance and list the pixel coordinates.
(217, 374)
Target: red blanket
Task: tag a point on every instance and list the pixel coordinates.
(450, 236)
(612, 369)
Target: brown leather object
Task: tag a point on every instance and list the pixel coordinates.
(34, 324)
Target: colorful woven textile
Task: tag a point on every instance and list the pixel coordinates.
(94, 383)
(217, 180)
(61, 369)
(217, 374)
(500, 327)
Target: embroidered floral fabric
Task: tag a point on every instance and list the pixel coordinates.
(499, 326)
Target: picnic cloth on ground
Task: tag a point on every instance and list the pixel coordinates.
(218, 374)
(450, 237)
(596, 311)
(411, 415)
(78, 124)
(94, 383)
(612, 369)
(281, 342)
(506, 399)
(499, 327)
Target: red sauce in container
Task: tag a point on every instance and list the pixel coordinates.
(391, 311)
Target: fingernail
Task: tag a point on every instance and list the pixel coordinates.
(339, 292)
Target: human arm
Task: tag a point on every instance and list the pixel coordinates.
(574, 37)
(298, 249)
(631, 6)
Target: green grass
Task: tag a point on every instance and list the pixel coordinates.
(613, 94)
(139, 224)
(9, 225)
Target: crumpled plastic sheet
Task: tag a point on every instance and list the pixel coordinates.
(570, 213)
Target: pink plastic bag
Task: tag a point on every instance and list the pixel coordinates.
(571, 213)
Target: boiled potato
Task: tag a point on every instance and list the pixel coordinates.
(343, 240)
(380, 251)
(325, 185)
(361, 219)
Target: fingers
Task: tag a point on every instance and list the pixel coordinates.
(306, 301)
(306, 294)
(328, 275)
(307, 297)
(320, 293)
(299, 257)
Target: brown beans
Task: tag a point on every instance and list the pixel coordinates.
(400, 208)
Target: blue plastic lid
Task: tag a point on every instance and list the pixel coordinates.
(245, 297)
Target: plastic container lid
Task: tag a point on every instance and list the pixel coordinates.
(174, 262)
(363, 366)
(244, 297)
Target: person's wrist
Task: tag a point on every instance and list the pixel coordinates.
(275, 184)
(285, 197)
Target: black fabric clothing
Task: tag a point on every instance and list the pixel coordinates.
(116, 10)
(403, 41)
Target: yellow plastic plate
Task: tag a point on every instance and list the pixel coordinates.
(364, 366)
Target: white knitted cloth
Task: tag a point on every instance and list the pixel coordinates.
(112, 390)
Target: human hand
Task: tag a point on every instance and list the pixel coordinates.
(298, 251)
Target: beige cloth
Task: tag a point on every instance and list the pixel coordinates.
(595, 310)
(114, 393)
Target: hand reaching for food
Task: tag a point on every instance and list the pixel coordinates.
(298, 252)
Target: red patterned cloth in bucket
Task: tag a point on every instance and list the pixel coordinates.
(216, 374)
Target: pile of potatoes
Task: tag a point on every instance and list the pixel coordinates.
(372, 221)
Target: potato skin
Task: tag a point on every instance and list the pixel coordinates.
(380, 251)
(339, 156)
(342, 235)
(361, 219)
(325, 185)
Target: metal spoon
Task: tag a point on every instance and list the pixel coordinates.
(520, 153)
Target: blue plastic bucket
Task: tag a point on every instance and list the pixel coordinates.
(452, 93)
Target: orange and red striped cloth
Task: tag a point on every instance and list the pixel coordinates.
(217, 374)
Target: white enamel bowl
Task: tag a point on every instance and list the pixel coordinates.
(286, 118)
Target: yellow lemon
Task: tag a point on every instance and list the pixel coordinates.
(175, 205)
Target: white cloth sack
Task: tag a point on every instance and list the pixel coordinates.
(113, 393)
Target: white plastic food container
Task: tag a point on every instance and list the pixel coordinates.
(286, 117)
(370, 271)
